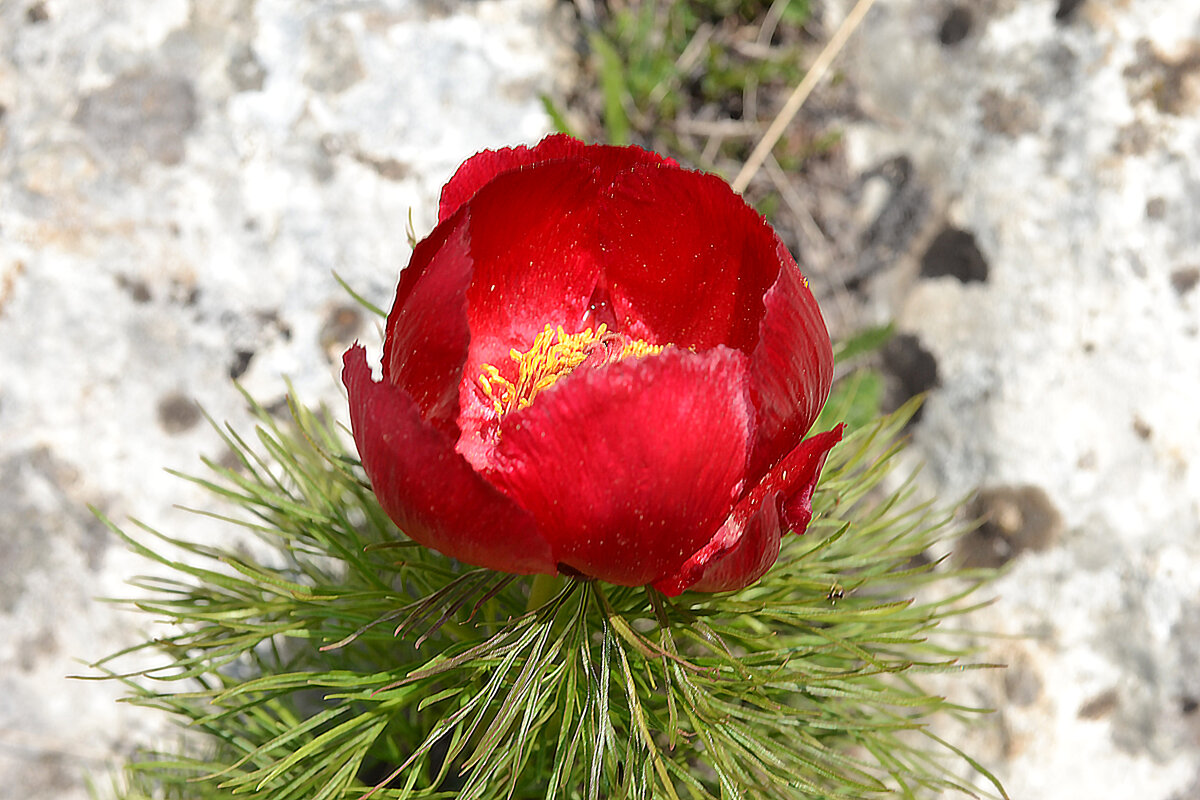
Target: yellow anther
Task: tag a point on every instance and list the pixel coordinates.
(556, 353)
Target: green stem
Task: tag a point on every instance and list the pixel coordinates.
(543, 589)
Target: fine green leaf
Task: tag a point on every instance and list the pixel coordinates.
(338, 664)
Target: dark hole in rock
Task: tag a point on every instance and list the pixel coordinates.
(334, 62)
(270, 324)
(1188, 705)
(1010, 115)
(183, 290)
(913, 370)
(954, 252)
(1156, 208)
(136, 287)
(230, 460)
(56, 774)
(1142, 428)
(900, 216)
(272, 318)
(1099, 706)
(141, 115)
(177, 413)
(36, 13)
(241, 362)
(245, 71)
(40, 646)
(341, 325)
(1016, 519)
(1066, 9)
(1185, 280)
(1134, 139)
(956, 25)
(278, 408)
(1022, 684)
(1166, 80)
(391, 168)
(921, 560)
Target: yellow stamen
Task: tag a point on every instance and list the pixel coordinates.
(556, 353)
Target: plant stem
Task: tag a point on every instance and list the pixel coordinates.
(543, 589)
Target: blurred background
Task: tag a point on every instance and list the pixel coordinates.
(1005, 192)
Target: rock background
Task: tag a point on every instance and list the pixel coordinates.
(179, 178)
(1048, 223)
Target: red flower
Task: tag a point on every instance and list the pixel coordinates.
(597, 363)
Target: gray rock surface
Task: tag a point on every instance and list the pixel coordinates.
(1049, 296)
(178, 181)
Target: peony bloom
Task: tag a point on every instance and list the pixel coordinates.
(601, 364)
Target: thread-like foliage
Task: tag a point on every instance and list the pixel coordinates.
(346, 662)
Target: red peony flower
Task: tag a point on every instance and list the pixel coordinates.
(597, 363)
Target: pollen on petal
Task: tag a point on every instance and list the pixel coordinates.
(553, 355)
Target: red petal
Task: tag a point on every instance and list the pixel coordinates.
(477, 171)
(629, 467)
(427, 331)
(747, 544)
(688, 261)
(428, 489)
(534, 244)
(791, 366)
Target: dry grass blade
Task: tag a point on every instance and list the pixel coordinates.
(811, 78)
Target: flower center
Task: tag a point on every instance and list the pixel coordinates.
(554, 354)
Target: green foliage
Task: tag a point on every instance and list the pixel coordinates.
(558, 120)
(857, 396)
(659, 64)
(614, 90)
(335, 659)
(854, 399)
(862, 343)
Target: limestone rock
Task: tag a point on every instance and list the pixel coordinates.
(179, 179)
(1061, 141)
